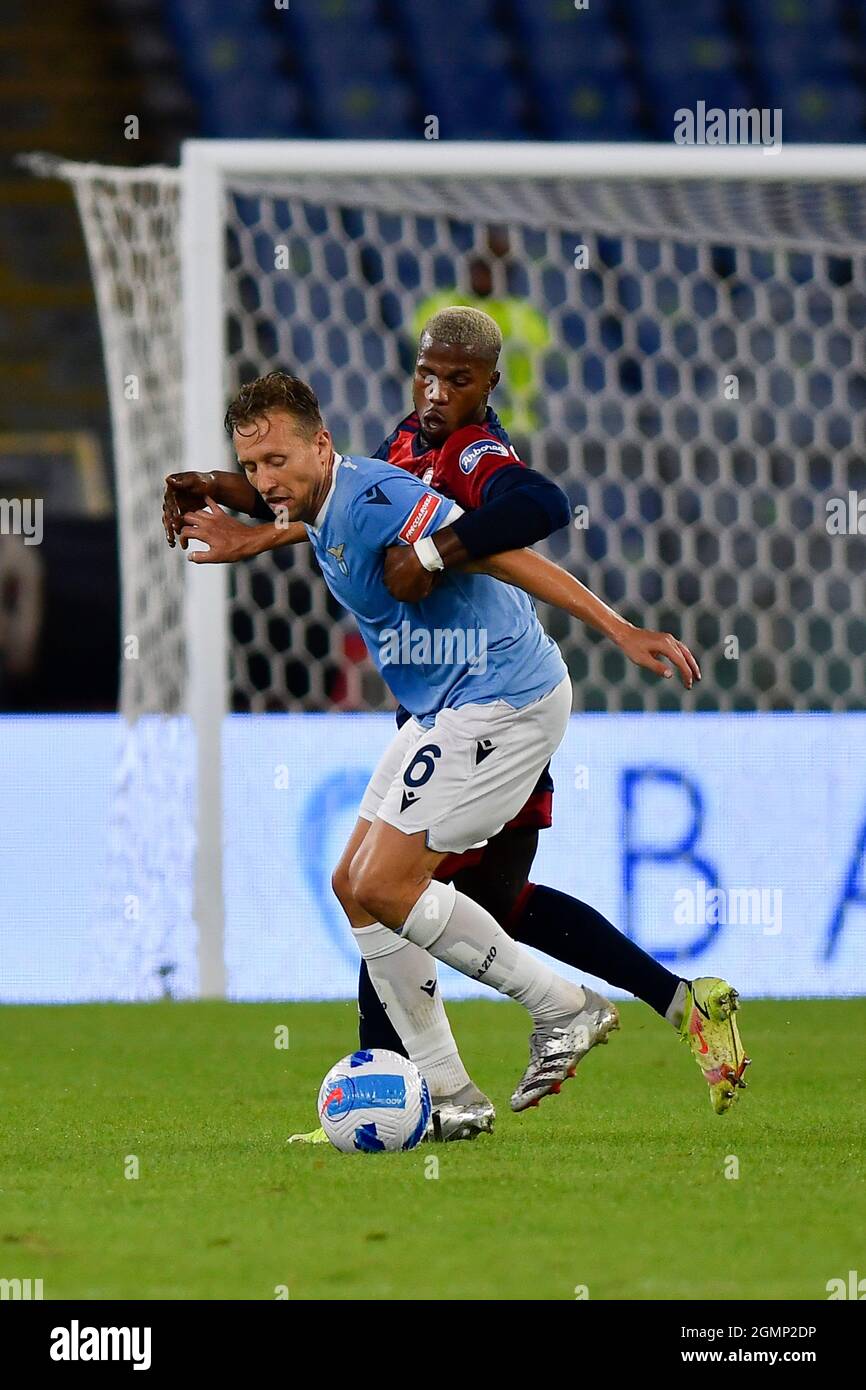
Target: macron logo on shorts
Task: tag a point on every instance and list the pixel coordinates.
(421, 514)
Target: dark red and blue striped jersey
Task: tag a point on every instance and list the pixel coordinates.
(461, 467)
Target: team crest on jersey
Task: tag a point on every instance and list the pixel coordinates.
(427, 475)
(473, 452)
(337, 552)
(420, 516)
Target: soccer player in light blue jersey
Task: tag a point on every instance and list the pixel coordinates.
(454, 442)
(490, 700)
(472, 640)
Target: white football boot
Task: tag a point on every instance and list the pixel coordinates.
(554, 1053)
(462, 1116)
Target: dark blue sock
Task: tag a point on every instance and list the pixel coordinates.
(375, 1028)
(573, 932)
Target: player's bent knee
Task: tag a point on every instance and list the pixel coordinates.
(371, 894)
(357, 915)
(370, 889)
(342, 886)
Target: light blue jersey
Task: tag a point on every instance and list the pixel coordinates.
(472, 641)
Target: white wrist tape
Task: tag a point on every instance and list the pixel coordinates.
(428, 554)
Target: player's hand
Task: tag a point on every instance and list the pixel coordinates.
(653, 649)
(183, 493)
(227, 539)
(405, 577)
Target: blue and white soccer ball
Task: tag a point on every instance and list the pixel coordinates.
(374, 1102)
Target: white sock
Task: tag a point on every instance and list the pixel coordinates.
(455, 929)
(404, 977)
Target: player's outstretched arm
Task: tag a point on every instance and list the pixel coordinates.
(551, 584)
(229, 540)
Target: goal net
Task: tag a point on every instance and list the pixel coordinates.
(684, 355)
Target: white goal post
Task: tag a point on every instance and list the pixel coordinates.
(628, 356)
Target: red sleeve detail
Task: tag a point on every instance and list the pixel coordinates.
(420, 517)
(467, 460)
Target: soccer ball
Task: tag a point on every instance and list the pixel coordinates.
(374, 1102)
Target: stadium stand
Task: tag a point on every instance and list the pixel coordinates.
(512, 69)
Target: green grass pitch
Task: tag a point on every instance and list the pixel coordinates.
(618, 1184)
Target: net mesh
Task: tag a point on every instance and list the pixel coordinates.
(132, 230)
(142, 937)
(685, 359)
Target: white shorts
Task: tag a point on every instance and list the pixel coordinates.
(463, 779)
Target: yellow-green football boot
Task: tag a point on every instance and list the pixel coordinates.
(710, 1029)
(315, 1136)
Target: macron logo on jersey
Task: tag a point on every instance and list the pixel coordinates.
(420, 516)
(473, 452)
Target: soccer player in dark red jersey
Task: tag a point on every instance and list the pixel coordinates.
(454, 441)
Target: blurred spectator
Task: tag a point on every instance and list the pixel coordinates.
(525, 330)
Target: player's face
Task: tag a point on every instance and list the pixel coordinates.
(289, 469)
(450, 389)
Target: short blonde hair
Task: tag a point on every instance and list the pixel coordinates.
(462, 327)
